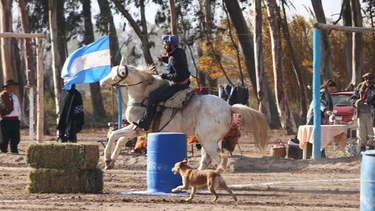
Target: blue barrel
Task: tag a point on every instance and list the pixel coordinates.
(163, 151)
(368, 181)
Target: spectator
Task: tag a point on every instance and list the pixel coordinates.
(11, 118)
(362, 110)
(70, 116)
(326, 107)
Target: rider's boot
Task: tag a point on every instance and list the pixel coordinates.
(145, 121)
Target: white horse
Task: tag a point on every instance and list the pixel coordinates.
(207, 117)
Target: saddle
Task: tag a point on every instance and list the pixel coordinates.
(177, 101)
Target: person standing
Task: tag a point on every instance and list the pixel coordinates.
(362, 110)
(10, 111)
(326, 104)
(326, 107)
(70, 116)
(178, 76)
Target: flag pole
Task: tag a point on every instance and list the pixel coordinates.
(119, 97)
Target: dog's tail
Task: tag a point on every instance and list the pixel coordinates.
(223, 164)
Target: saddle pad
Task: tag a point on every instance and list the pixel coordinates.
(178, 99)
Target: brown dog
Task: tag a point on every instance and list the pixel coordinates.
(195, 178)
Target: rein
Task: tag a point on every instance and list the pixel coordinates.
(123, 78)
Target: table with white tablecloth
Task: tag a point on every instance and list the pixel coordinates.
(329, 133)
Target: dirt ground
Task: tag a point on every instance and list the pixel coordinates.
(259, 182)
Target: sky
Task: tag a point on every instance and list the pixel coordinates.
(331, 9)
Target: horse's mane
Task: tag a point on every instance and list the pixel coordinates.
(147, 72)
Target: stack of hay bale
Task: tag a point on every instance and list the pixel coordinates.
(64, 168)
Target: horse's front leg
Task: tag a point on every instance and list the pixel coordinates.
(120, 144)
(121, 135)
(112, 137)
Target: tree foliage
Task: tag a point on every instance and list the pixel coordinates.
(224, 47)
(39, 17)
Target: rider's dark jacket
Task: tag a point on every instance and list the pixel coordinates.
(177, 64)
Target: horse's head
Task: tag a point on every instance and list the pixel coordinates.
(117, 75)
(139, 80)
(128, 75)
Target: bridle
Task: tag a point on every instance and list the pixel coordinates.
(125, 76)
(120, 76)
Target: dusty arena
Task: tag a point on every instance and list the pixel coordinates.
(259, 182)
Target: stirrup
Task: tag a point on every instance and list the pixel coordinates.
(136, 126)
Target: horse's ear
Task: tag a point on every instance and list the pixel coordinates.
(123, 61)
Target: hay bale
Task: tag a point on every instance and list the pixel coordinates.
(63, 156)
(65, 181)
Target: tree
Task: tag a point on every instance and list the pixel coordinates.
(357, 49)
(173, 17)
(29, 54)
(347, 21)
(5, 26)
(106, 25)
(61, 32)
(56, 62)
(247, 47)
(96, 97)
(326, 45)
(259, 61)
(286, 116)
(202, 76)
(142, 31)
(295, 63)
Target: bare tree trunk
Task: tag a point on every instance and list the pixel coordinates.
(56, 63)
(106, 12)
(259, 62)
(61, 39)
(96, 97)
(141, 33)
(173, 16)
(326, 44)
(29, 56)
(246, 40)
(208, 31)
(296, 66)
(202, 76)
(286, 116)
(10, 60)
(358, 63)
(5, 26)
(347, 20)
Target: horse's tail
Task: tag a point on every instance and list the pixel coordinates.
(254, 122)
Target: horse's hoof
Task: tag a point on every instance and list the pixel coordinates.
(109, 165)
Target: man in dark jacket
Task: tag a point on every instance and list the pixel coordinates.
(71, 115)
(178, 76)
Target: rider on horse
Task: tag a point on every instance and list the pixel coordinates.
(178, 76)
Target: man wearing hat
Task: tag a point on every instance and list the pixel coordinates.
(362, 110)
(10, 112)
(178, 75)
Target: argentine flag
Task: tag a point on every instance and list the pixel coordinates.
(88, 64)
